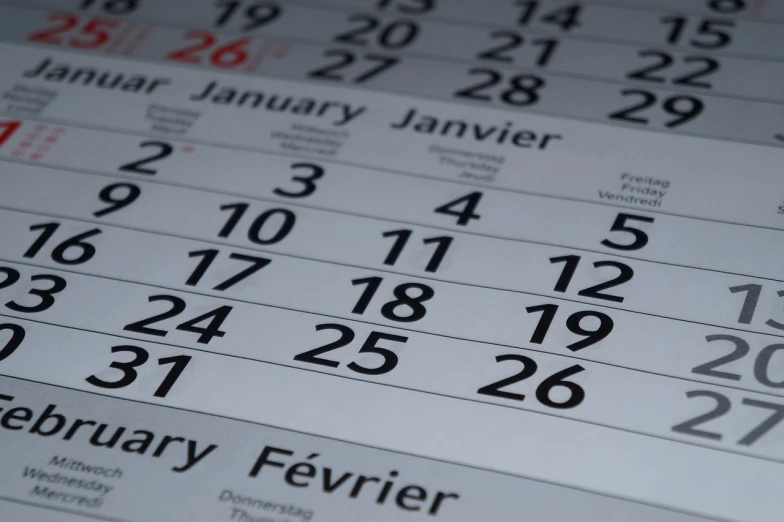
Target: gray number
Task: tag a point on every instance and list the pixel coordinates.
(741, 350)
(722, 407)
(750, 303)
(766, 425)
(762, 364)
(771, 322)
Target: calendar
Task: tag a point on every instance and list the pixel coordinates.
(391, 260)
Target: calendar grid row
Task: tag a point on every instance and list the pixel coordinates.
(681, 102)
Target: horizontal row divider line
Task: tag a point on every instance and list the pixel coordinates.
(392, 327)
(363, 445)
(415, 390)
(407, 94)
(435, 20)
(259, 150)
(360, 267)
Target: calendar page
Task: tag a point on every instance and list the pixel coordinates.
(391, 260)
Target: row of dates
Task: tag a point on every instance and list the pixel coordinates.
(99, 333)
(592, 330)
(320, 240)
(497, 54)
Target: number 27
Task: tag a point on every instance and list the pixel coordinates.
(722, 407)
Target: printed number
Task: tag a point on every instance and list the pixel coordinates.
(7, 129)
(129, 374)
(52, 35)
(565, 17)
(285, 221)
(17, 336)
(112, 7)
(388, 361)
(336, 70)
(396, 34)
(706, 67)
(513, 41)
(231, 54)
(93, 34)
(308, 182)
(727, 6)
(208, 256)
(140, 166)
(206, 333)
(684, 108)
(710, 34)
(117, 196)
(721, 408)
(44, 295)
(412, 7)
(401, 239)
(413, 303)
(464, 215)
(254, 15)
(576, 393)
(761, 363)
(522, 89)
(573, 324)
(753, 292)
(625, 274)
(84, 250)
(619, 225)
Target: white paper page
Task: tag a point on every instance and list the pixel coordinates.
(391, 260)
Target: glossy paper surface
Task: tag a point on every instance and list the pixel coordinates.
(391, 260)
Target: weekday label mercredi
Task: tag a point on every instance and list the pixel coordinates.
(391, 260)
